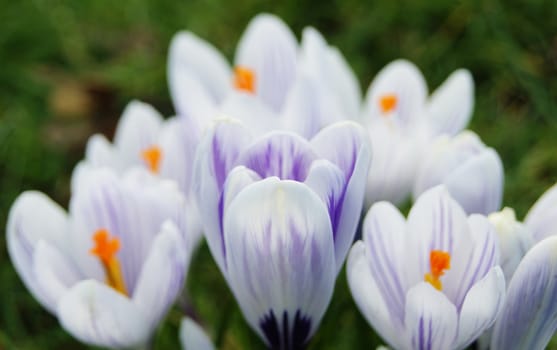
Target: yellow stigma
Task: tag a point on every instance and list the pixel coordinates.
(439, 261)
(244, 79)
(387, 103)
(105, 248)
(152, 157)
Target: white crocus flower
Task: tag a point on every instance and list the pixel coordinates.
(472, 172)
(401, 121)
(431, 281)
(111, 267)
(281, 85)
(144, 139)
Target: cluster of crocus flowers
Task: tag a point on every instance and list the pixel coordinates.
(278, 185)
(112, 266)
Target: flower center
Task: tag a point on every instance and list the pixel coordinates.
(439, 261)
(244, 79)
(105, 248)
(388, 103)
(152, 157)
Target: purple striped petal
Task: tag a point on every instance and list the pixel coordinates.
(541, 218)
(529, 317)
(482, 305)
(431, 319)
(384, 233)
(216, 155)
(280, 259)
(285, 155)
(368, 296)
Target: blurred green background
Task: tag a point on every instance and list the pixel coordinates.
(67, 69)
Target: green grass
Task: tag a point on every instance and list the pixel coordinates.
(67, 69)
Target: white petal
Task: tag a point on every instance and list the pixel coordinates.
(431, 319)
(99, 152)
(384, 234)
(280, 259)
(193, 337)
(252, 112)
(34, 217)
(450, 107)
(98, 315)
(137, 130)
(404, 80)
(311, 106)
(529, 317)
(481, 307)
(55, 273)
(216, 155)
(163, 274)
(178, 141)
(368, 297)
(468, 266)
(477, 185)
(191, 54)
(268, 47)
(239, 178)
(541, 218)
(394, 163)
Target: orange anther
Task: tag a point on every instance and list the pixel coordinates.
(244, 79)
(152, 157)
(105, 246)
(105, 249)
(388, 103)
(439, 261)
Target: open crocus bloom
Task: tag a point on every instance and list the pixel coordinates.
(401, 121)
(429, 282)
(111, 267)
(280, 213)
(270, 77)
(472, 172)
(529, 316)
(144, 139)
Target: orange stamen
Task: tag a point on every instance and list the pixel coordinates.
(105, 249)
(152, 157)
(388, 103)
(439, 261)
(244, 79)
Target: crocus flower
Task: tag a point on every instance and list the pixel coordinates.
(111, 267)
(431, 281)
(144, 139)
(542, 217)
(401, 121)
(272, 78)
(529, 316)
(472, 172)
(280, 213)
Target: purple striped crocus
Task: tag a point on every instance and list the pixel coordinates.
(431, 281)
(280, 213)
(111, 267)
